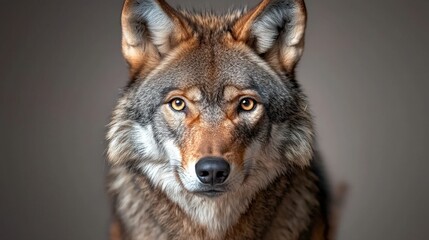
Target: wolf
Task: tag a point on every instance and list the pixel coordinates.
(213, 138)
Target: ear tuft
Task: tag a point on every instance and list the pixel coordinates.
(150, 28)
(275, 28)
(142, 19)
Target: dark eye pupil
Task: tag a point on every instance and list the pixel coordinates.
(178, 102)
(245, 102)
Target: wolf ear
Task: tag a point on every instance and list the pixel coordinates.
(150, 28)
(275, 30)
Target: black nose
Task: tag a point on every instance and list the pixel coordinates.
(212, 170)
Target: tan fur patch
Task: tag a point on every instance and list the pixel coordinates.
(204, 140)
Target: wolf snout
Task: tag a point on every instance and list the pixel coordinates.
(212, 170)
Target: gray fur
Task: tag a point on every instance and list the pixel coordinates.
(146, 138)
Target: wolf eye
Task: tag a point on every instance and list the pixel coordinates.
(247, 104)
(177, 104)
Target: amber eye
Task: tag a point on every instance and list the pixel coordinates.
(247, 104)
(177, 104)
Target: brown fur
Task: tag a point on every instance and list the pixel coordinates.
(287, 199)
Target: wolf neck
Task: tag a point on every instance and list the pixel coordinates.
(204, 218)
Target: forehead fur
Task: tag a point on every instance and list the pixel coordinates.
(210, 62)
(210, 22)
(210, 59)
(211, 68)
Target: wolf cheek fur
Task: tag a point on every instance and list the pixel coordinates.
(187, 160)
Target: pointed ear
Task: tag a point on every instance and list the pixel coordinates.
(275, 30)
(150, 28)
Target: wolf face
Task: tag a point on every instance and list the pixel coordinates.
(212, 113)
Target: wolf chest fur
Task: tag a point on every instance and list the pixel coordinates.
(212, 138)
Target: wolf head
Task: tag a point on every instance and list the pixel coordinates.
(212, 108)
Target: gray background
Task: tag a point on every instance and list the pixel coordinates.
(365, 70)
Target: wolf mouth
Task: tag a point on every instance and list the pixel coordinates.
(213, 191)
(210, 193)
